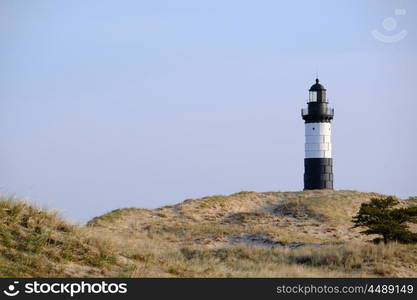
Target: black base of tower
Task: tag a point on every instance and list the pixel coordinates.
(318, 173)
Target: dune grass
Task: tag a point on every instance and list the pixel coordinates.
(35, 242)
(200, 238)
(247, 234)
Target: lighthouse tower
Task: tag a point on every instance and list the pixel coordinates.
(318, 164)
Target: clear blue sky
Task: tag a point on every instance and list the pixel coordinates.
(109, 104)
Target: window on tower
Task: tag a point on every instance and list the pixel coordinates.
(313, 96)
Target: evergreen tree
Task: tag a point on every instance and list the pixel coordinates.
(383, 217)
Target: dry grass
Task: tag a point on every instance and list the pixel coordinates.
(36, 242)
(248, 234)
(275, 234)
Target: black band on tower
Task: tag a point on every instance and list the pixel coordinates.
(318, 173)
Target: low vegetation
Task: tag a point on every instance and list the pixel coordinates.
(248, 234)
(39, 243)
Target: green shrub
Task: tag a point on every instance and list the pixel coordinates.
(383, 217)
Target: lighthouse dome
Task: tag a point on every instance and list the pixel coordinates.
(317, 86)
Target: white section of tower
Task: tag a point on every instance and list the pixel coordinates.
(318, 142)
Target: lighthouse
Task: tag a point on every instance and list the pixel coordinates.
(318, 163)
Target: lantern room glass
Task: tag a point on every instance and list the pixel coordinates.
(313, 96)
